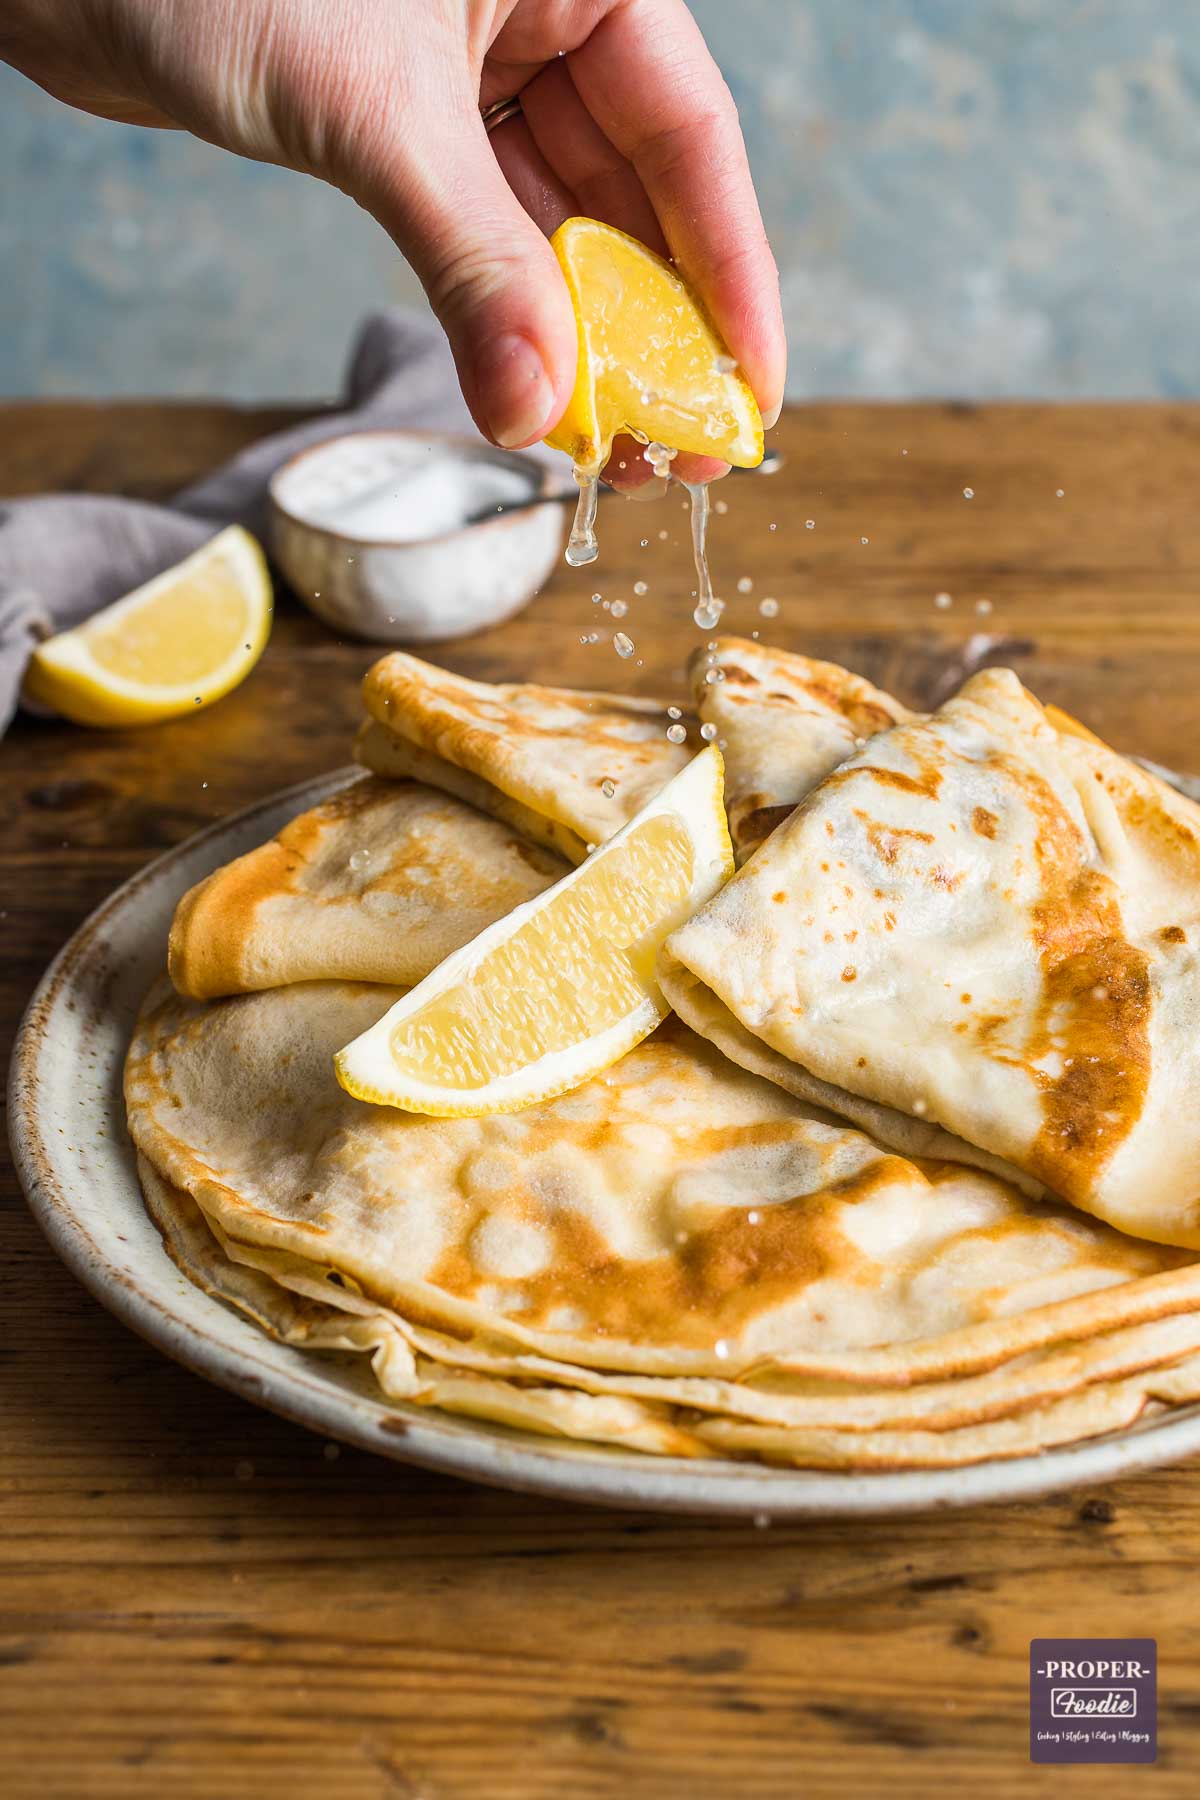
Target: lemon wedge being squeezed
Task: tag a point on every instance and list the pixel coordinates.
(564, 986)
(178, 643)
(651, 361)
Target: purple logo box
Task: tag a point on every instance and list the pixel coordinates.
(1093, 1700)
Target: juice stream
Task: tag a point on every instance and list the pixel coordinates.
(583, 547)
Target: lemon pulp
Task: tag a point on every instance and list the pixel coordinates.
(563, 976)
(545, 999)
(184, 633)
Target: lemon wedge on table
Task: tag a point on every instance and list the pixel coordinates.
(179, 642)
(562, 987)
(650, 359)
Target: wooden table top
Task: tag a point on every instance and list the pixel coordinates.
(199, 1599)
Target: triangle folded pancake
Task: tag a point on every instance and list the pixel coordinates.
(785, 722)
(989, 923)
(378, 883)
(566, 768)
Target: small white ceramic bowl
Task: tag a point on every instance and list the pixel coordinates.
(366, 529)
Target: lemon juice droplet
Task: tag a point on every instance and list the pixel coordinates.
(582, 546)
(708, 731)
(618, 609)
(677, 733)
(660, 458)
(623, 645)
(708, 607)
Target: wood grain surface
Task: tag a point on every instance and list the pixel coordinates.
(197, 1599)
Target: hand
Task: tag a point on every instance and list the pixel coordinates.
(624, 116)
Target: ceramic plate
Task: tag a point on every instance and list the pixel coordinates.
(77, 1167)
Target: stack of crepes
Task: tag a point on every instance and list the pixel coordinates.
(910, 1178)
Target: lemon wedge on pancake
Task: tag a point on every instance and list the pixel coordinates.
(170, 647)
(562, 987)
(650, 359)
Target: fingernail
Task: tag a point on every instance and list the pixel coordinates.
(772, 417)
(515, 392)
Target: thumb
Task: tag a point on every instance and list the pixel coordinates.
(491, 277)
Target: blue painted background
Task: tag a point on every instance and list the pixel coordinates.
(976, 197)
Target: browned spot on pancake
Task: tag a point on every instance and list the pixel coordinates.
(724, 1273)
(849, 973)
(750, 828)
(721, 1275)
(889, 921)
(1094, 1009)
(885, 840)
(846, 697)
(779, 898)
(928, 782)
(1173, 934)
(534, 855)
(985, 822)
(941, 877)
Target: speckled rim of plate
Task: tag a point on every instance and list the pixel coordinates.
(76, 1165)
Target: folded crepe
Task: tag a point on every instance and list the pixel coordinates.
(985, 923)
(567, 769)
(1079, 1390)
(351, 1326)
(378, 883)
(673, 1250)
(784, 722)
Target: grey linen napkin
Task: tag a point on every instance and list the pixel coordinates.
(63, 556)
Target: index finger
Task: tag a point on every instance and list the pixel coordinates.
(646, 76)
